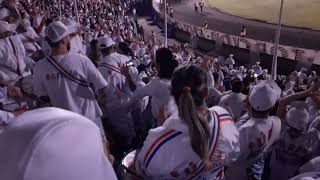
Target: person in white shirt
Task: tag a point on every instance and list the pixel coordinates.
(116, 109)
(195, 142)
(12, 55)
(259, 132)
(234, 101)
(293, 148)
(159, 88)
(9, 12)
(29, 38)
(257, 68)
(76, 45)
(51, 144)
(230, 60)
(65, 92)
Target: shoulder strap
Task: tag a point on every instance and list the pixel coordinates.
(158, 143)
(214, 132)
(66, 73)
(111, 67)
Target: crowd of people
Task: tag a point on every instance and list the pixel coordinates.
(84, 95)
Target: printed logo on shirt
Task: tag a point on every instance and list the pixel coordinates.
(59, 75)
(259, 144)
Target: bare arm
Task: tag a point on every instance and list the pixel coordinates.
(283, 102)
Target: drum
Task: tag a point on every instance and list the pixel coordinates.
(126, 163)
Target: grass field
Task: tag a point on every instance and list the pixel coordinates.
(298, 13)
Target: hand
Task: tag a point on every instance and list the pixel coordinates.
(125, 71)
(14, 92)
(315, 87)
(206, 62)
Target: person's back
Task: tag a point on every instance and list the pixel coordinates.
(64, 93)
(118, 91)
(70, 80)
(12, 54)
(176, 159)
(159, 90)
(294, 147)
(116, 112)
(195, 142)
(234, 102)
(259, 132)
(256, 136)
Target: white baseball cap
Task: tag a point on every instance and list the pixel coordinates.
(297, 118)
(7, 27)
(56, 31)
(52, 144)
(264, 95)
(105, 42)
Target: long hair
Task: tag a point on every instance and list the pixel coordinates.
(187, 85)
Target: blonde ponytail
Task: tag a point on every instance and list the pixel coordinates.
(197, 124)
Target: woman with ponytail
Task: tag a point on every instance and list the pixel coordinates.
(195, 142)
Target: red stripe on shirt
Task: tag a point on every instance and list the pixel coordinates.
(157, 142)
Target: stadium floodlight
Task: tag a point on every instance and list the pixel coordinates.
(276, 43)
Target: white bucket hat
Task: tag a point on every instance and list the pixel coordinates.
(298, 118)
(56, 31)
(264, 95)
(53, 144)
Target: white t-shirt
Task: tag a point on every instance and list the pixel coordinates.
(118, 92)
(234, 103)
(256, 136)
(76, 45)
(167, 152)
(288, 154)
(119, 95)
(27, 39)
(121, 59)
(64, 93)
(159, 91)
(12, 54)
